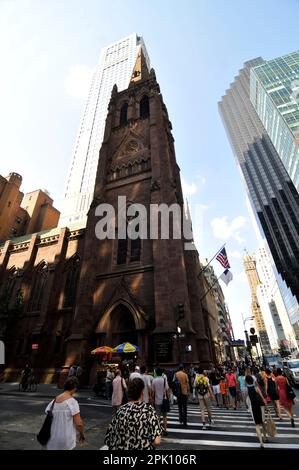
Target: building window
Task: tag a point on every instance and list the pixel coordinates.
(135, 249)
(40, 278)
(123, 119)
(144, 107)
(122, 251)
(72, 277)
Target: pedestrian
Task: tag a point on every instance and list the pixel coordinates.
(136, 373)
(272, 392)
(288, 404)
(136, 425)
(205, 393)
(242, 387)
(232, 387)
(182, 398)
(160, 390)
(148, 380)
(119, 393)
(224, 390)
(66, 419)
(214, 379)
(72, 371)
(257, 405)
(108, 383)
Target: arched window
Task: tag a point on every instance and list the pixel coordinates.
(123, 119)
(128, 249)
(144, 107)
(40, 278)
(72, 277)
(9, 288)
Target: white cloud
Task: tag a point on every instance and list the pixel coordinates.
(77, 82)
(224, 230)
(234, 254)
(201, 179)
(189, 189)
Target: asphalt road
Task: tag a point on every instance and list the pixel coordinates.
(22, 416)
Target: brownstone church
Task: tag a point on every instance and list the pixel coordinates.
(65, 292)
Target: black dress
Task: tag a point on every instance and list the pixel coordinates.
(272, 390)
(256, 404)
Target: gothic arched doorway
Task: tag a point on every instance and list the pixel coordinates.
(121, 326)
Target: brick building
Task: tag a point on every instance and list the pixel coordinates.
(68, 292)
(21, 214)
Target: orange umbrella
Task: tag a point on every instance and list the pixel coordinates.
(102, 350)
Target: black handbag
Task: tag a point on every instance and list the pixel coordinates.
(165, 407)
(290, 392)
(45, 432)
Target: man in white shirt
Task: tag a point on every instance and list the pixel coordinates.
(147, 379)
(136, 373)
(160, 390)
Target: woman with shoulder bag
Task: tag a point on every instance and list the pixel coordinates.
(286, 402)
(66, 419)
(258, 404)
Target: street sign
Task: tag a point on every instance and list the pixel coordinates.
(253, 339)
(34, 346)
(237, 343)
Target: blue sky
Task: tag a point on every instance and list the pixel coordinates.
(48, 49)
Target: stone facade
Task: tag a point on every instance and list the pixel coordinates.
(69, 292)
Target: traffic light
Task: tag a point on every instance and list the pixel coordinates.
(180, 311)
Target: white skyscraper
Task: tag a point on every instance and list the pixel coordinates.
(116, 66)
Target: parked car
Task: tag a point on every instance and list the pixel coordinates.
(292, 366)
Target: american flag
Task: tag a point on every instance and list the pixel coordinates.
(222, 258)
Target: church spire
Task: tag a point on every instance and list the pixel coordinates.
(140, 71)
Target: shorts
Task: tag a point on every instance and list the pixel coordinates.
(232, 391)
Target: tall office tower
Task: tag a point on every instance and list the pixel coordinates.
(271, 300)
(116, 65)
(254, 282)
(274, 93)
(271, 191)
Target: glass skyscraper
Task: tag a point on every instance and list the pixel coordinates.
(273, 196)
(274, 93)
(115, 66)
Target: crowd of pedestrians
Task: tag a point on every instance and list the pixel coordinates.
(142, 399)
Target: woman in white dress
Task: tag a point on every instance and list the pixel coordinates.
(66, 419)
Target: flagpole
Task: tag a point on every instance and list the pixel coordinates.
(203, 270)
(210, 288)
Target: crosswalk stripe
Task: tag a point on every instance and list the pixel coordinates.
(245, 444)
(222, 433)
(232, 428)
(281, 428)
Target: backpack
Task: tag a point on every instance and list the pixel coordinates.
(202, 385)
(176, 387)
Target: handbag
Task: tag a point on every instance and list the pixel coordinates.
(290, 392)
(45, 432)
(270, 425)
(124, 398)
(165, 406)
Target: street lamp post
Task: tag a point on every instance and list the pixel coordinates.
(248, 344)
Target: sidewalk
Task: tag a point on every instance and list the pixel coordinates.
(48, 391)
